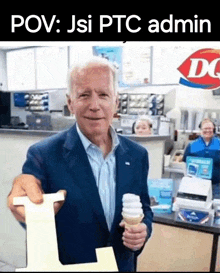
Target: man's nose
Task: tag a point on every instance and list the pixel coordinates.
(94, 103)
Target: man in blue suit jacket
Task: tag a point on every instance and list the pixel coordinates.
(95, 167)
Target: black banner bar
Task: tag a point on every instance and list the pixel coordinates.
(148, 26)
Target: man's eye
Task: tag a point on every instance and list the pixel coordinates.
(84, 95)
(103, 95)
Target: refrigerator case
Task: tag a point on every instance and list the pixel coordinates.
(5, 108)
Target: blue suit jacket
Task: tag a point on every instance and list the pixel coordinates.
(60, 162)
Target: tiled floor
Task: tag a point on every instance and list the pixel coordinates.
(6, 267)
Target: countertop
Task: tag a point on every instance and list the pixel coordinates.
(52, 132)
(28, 132)
(147, 138)
(169, 219)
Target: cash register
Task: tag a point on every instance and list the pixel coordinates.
(193, 202)
(195, 193)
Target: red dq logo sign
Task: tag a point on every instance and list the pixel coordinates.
(201, 69)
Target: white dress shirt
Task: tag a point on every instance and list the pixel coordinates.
(104, 170)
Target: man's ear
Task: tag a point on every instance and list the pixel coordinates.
(116, 103)
(70, 103)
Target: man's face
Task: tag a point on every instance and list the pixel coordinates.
(207, 130)
(93, 101)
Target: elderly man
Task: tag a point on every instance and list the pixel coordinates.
(95, 167)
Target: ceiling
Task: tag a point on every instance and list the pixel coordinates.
(9, 47)
(6, 48)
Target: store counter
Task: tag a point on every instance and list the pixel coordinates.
(178, 246)
(24, 138)
(27, 132)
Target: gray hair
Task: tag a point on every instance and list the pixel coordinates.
(95, 61)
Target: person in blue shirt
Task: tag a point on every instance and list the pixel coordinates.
(207, 145)
(95, 167)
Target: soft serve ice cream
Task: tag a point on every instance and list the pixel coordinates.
(132, 211)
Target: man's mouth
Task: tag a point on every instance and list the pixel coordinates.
(93, 118)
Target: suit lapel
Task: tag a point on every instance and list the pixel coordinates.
(79, 166)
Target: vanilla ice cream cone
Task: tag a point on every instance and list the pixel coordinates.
(132, 211)
(132, 221)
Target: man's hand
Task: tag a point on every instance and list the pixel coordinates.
(28, 185)
(134, 237)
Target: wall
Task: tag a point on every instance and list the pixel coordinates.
(156, 89)
(13, 151)
(3, 70)
(187, 97)
(197, 104)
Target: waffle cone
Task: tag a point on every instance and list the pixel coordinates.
(132, 221)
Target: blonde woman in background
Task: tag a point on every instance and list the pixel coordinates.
(142, 126)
